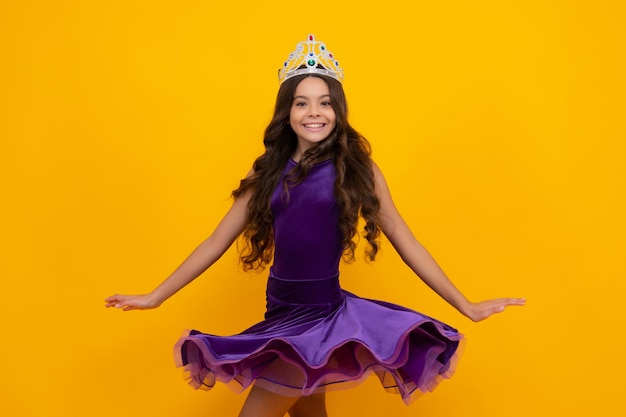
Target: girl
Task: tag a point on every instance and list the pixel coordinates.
(298, 209)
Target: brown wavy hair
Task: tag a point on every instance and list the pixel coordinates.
(354, 185)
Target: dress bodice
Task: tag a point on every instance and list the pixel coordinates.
(307, 240)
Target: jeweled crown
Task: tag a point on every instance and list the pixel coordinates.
(310, 57)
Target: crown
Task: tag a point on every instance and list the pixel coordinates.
(310, 57)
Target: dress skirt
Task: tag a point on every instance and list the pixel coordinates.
(317, 337)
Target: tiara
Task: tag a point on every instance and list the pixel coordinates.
(310, 57)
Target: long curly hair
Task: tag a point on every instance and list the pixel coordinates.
(354, 185)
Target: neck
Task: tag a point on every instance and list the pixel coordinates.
(300, 150)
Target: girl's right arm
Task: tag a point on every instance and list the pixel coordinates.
(196, 263)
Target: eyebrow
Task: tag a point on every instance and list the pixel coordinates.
(306, 98)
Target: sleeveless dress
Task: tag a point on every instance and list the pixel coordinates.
(316, 336)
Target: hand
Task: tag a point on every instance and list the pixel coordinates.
(131, 302)
(484, 309)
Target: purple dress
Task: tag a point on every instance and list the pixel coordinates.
(316, 336)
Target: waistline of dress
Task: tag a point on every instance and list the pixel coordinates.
(273, 275)
(309, 292)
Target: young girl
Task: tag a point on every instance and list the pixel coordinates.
(298, 209)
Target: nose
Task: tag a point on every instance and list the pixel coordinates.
(314, 110)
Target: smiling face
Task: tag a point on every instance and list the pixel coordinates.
(311, 117)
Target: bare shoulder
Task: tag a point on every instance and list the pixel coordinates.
(379, 180)
(389, 217)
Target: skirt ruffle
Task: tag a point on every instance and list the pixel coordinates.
(307, 348)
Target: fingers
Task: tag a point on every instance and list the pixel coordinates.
(130, 302)
(116, 301)
(513, 302)
(502, 303)
(488, 308)
(110, 301)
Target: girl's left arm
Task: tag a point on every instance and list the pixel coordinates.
(423, 264)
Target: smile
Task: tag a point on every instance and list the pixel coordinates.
(314, 125)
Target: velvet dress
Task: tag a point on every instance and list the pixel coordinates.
(316, 336)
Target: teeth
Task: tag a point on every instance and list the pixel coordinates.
(314, 125)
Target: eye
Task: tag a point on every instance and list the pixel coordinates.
(299, 104)
(326, 103)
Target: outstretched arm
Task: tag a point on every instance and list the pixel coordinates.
(197, 262)
(423, 264)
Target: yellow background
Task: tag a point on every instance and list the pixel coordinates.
(124, 126)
